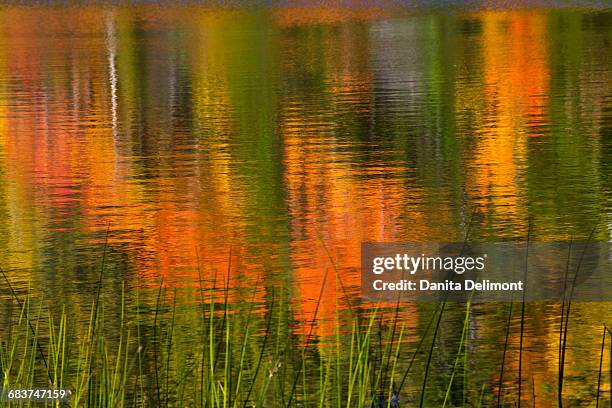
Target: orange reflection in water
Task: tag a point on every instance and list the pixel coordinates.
(66, 154)
(516, 80)
(333, 207)
(515, 87)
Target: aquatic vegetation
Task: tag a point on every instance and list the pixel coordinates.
(237, 358)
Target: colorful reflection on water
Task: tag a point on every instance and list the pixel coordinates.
(260, 147)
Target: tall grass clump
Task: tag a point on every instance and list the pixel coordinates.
(203, 346)
(230, 359)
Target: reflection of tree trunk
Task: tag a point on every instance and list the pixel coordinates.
(111, 45)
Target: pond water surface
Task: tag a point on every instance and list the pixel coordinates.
(260, 147)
